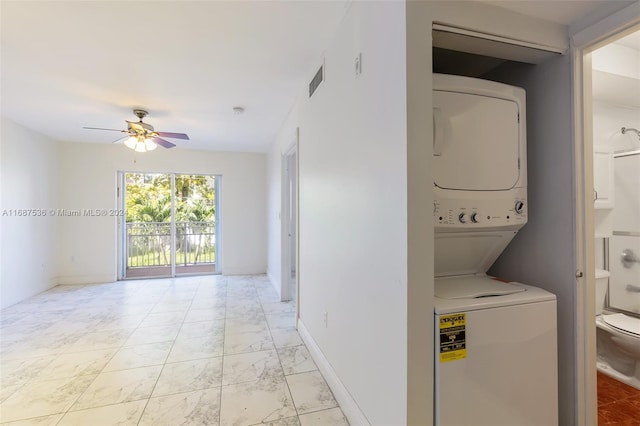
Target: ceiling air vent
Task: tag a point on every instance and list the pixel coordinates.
(317, 79)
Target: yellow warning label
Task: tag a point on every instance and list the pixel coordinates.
(453, 343)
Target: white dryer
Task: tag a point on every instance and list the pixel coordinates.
(496, 344)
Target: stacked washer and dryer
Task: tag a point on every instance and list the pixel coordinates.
(495, 341)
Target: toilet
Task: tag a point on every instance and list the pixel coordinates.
(618, 339)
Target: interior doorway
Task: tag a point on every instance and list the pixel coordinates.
(289, 221)
(615, 120)
(594, 85)
(169, 226)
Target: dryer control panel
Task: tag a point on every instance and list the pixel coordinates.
(458, 214)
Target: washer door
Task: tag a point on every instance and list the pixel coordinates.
(476, 142)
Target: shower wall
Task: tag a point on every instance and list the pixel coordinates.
(609, 118)
(624, 280)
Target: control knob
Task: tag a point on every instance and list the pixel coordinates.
(474, 218)
(462, 217)
(519, 207)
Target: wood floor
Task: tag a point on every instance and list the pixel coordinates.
(618, 404)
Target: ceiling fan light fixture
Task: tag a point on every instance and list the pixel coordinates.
(150, 145)
(141, 136)
(131, 142)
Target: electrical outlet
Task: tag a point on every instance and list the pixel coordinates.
(326, 319)
(358, 66)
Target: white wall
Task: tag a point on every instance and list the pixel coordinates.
(617, 59)
(420, 231)
(353, 217)
(352, 183)
(88, 246)
(29, 176)
(609, 119)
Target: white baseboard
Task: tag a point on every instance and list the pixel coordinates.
(87, 279)
(347, 403)
(242, 270)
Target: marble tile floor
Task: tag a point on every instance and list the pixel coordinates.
(207, 350)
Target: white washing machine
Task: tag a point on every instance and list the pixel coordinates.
(495, 353)
(496, 341)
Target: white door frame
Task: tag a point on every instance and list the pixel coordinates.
(121, 233)
(285, 221)
(583, 43)
(120, 225)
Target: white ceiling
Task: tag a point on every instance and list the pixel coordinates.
(69, 64)
(563, 12)
(616, 72)
(632, 41)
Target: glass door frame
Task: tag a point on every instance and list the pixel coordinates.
(122, 229)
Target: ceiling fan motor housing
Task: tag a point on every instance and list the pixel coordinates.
(140, 126)
(140, 113)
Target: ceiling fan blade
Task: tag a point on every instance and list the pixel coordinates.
(100, 128)
(120, 139)
(163, 142)
(173, 135)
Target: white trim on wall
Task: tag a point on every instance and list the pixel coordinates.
(348, 405)
(582, 43)
(285, 220)
(86, 279)
(243, 270)
(586, 389)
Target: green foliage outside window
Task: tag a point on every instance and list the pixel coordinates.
(148, 217)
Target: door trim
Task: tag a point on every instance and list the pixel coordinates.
(121, 231)
(120, 226)
(285, 221)
(583, 43)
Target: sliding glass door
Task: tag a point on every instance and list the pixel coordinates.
(169, 227)
(195, 246)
